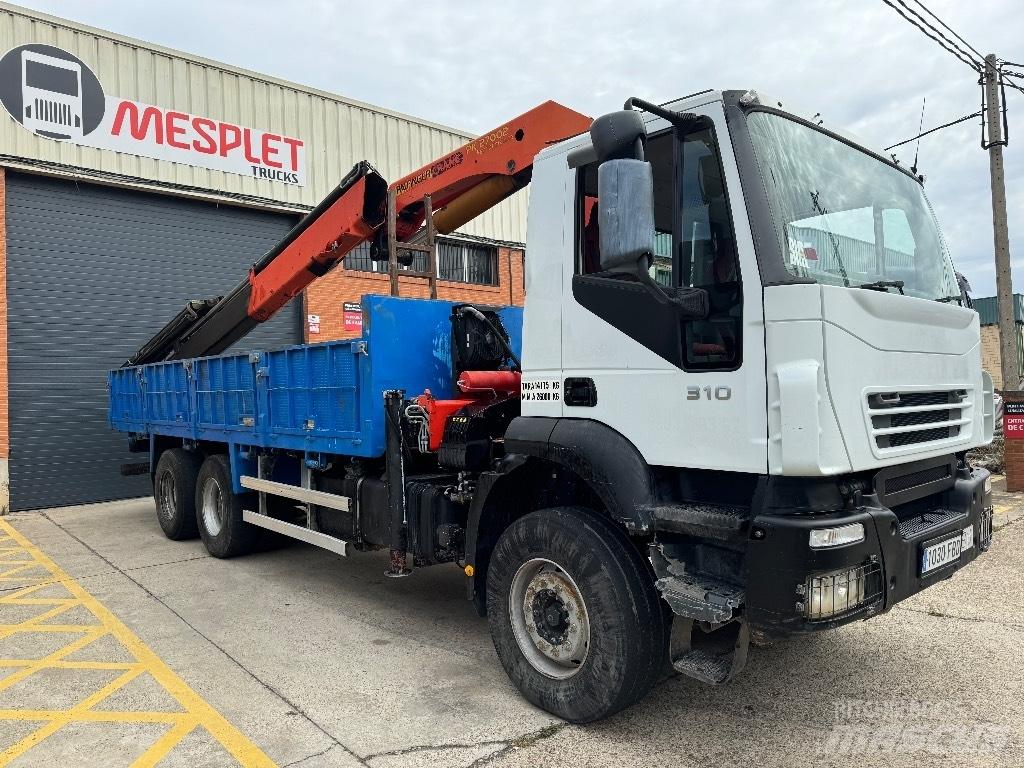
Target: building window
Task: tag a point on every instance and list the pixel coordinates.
(358, 260)
(467, 263)
(456, 261)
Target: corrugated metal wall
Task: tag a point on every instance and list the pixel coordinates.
(92, 272)
(988, 309)
(337, 132)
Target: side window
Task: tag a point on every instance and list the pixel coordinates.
(708, 257)
(694, 247)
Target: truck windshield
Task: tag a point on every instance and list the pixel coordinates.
(845, 217)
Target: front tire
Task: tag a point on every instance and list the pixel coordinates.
(219, 512)
(174, 491)
(574, 614)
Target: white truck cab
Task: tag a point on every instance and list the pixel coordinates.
(745, 330)
(797, 369)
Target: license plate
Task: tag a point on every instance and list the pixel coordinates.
(947, 551)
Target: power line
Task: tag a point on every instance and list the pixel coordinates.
(1003, 74)
(933, 130)
(977, 53)
(928, 30)
(949, 44)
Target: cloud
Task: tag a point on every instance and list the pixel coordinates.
(474, 65)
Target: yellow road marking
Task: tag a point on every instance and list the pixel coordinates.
(91, 716)
(72, 664)
(19, 748)
(166, 743)
(196, 712)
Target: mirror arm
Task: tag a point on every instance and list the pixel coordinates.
(662, 294)
(678, 119)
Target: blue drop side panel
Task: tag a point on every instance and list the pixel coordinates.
(317, 398)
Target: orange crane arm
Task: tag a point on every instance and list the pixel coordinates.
(462, 184)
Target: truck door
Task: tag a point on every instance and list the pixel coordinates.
(687, 393)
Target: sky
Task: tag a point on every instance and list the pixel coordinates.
(473, 65)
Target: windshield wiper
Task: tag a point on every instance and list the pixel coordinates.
(832, 238)
(957, 298)
(884, 285)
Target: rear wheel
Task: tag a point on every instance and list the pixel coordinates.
(219, 512)
(174, 490)
(574, 614)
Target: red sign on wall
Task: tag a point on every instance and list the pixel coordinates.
(352, 316)
(1013, 421)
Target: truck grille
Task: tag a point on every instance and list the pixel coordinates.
(900, 419)
(902, 483)
(916, 524)
(53, 112)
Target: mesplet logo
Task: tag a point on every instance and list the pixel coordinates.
(51, 92)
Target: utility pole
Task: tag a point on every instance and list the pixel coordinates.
(1000, 233)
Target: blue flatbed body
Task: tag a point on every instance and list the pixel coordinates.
(322, 398)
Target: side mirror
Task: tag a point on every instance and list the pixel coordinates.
(625, 193)
(619, 135)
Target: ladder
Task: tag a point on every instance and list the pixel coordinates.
(427, 246)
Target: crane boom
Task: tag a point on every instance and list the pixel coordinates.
(462, 184)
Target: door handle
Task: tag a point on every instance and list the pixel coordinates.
(580, 391)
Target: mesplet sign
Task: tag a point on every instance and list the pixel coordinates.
(57, 96)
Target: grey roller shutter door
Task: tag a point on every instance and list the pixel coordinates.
(92, 273)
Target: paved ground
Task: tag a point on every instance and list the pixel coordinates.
(301, 658)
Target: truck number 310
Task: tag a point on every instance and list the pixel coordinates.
(699, 393)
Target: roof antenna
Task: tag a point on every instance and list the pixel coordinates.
(920, 125)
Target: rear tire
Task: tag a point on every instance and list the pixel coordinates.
(574, 614)
(219, 512)
(174, 491)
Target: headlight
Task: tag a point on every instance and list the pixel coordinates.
(988, 485)
(839, 592)
(840, 536)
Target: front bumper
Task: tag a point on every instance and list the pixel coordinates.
(780, 560)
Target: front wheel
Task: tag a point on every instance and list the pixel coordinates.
(574, 614)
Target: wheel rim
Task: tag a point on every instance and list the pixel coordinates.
(166, 496)
(213, 506)
(549, 618)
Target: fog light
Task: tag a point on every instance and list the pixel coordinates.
(836, 593)
(840, 536)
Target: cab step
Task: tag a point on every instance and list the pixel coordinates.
(693, 595)
(712, 657)
(700, 597)
(722, 522)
